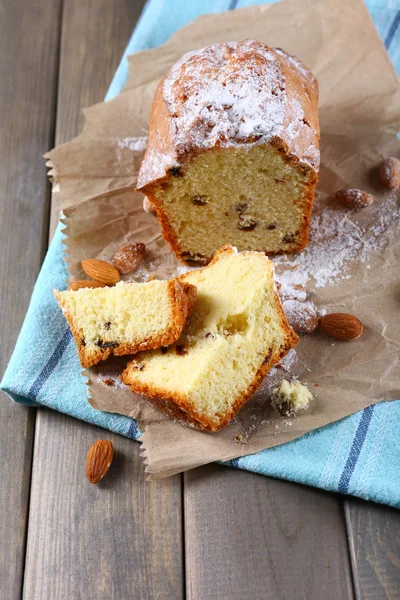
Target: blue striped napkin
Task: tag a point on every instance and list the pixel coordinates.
(358, 455)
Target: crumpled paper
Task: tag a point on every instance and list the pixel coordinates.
(94, 178)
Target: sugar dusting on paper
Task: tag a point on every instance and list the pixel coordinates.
(336, 242)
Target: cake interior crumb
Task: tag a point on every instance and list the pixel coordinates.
(290, 397)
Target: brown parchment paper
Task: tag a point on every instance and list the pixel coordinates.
(94, 177)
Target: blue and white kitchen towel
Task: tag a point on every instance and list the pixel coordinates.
(359, 455)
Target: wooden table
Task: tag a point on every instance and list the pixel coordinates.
(212, 533)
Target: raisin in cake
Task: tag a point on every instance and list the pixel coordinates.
(236, 332)
(126, 318)
(233, 151)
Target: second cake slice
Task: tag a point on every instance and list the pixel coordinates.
(235, 334)
(126, 318)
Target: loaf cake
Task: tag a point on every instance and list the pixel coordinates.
(233, 151)
(236, 332)
(126, 318)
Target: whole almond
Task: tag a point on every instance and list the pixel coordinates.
(98, 461)
(84, 283)
(301, 316)
(354, 199)
(101, 271)
(341, 326)
(390, 173)
(128, 258)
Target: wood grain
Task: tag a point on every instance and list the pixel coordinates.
(123, 537)
(94, 37)
(249, 536)
(29, 41)
(117, 539)
(374, 534)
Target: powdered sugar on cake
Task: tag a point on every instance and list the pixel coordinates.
(236, 93)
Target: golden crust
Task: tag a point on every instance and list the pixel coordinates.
(179, 407)
(182, 298)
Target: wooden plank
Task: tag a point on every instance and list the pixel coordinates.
(94, 38)
(249, 536)
(374, 534)
(122, 538)
(118, 539)
(16, 438)
(29, 41)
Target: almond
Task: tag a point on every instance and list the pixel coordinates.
(98, 461)
(84, 283)
(129, 257)
(354, 199)
(341, 326)
(390, 173)
(101, 271)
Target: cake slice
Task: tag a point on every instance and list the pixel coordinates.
(237, 331)
(126, 318)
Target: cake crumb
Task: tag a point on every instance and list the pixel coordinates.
(290, 397)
